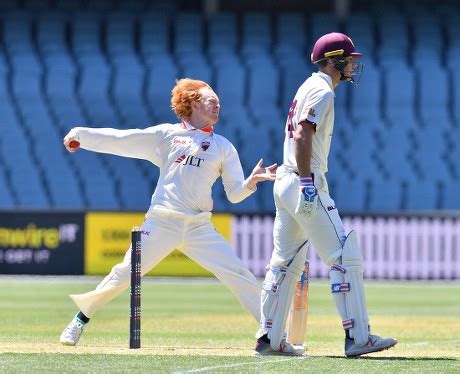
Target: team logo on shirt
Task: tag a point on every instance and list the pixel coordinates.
(189, 160)
(311, 113)
(205, 145)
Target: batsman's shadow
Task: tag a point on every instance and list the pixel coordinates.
(397, 358)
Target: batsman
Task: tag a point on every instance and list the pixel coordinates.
(305, 212)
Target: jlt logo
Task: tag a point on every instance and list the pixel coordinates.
(189, 160)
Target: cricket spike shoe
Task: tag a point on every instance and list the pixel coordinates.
(71, 334)
(263, 348)
(374, 344)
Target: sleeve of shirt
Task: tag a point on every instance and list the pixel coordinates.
(233, 176)
(314, 107)
(135, 143)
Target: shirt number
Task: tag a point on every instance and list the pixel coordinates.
(290, 126)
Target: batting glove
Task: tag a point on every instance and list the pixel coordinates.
(308, 198)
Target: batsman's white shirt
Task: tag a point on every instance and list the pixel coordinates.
(190, 161)
(314, 102)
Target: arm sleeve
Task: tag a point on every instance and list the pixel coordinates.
(314, 107)
(233, 177)
(135, 143)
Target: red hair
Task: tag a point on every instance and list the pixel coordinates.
(183, 94)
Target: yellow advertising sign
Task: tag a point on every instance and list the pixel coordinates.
(108, 236)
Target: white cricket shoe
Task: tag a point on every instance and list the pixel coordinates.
(71, 334)
(263, 348)
(374, 344)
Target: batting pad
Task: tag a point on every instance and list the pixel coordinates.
(355, 299)
(277, 295)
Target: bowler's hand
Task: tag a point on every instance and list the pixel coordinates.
(308, 198)
(71, 142)
(261, 174)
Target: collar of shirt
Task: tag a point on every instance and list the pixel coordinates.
(188, 126)
(326, 77)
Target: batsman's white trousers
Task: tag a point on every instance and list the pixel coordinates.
(324, 230)
(195, 236)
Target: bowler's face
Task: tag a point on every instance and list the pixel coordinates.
(208, 108)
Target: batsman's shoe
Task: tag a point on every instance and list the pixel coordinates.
(71, 334)
(374, 344)
(263, 348)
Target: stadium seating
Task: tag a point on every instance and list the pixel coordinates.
(111, 63)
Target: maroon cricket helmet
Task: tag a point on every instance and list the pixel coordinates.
(331, 45)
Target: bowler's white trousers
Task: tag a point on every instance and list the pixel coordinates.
(324, 231)
(195, 236)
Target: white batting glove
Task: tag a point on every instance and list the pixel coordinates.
(308, 198)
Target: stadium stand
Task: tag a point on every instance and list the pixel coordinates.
(112, 63)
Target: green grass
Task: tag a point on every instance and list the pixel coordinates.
(197, 326)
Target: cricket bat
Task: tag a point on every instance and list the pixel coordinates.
(297, 319)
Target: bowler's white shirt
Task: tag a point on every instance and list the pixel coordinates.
(190, 161)
(314, 101)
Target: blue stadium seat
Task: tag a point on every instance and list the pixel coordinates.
(249, 205)
(51, 32)
(188, 33)
(195, 66)
(272, 121)
(60, 88)
(434, 92)
(62, 181)
(98, 185)
(294, 70)
(85, 34)
(222, 34)
(26, 180)
(6, 197)
(8, 5)
(227, 129)
(452, 19)
(451, 197)
(221, 203)
(127, 92)
(36, 5)
(17, 32)
(254, 146)
(120, 33)
(385, 195)
(265, 197)
(291, 34)
(94, 91)
(322, 23)
(100, 5)
(69, 6)
(167, 7)
(360, 27)
(256, 33)
(263, 83)
(393, 33)
(134, 189)
(161, 76)
(154, 34)
(230, 84)
(399, 92)
(349, 195)
(137, 6)
(366, 97)
(423, 195)
(359, 148)
(427, 31)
